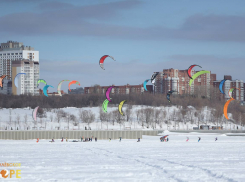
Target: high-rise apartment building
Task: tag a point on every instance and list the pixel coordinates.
(16, 51)
(237, 94)
(27, 84)
(178, 80)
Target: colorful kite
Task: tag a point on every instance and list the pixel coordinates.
(107, 93)
(170, 93)
(197, 75)
(190, 68)
(221, 86)
(16, 79)
(59, 87)
(41, 81)
(1, 80)
(104, 105)
(231, 91)
(34, 113)
(226, 107)
(144, 84)
(102, 59)
(120, 107)
(73, 82)
(153, 78)
(45, 89)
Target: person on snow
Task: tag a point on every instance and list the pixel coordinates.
(120, 139)
(66, 139)
(162, 139)
(91, 138)
(95, 139)
(52, 140)
(109, 139)
(81, 139)
(62, 139)
(37, 140)
(216, 138)
(187, 139)
(199, 138)
(138, 140)
(167, 139)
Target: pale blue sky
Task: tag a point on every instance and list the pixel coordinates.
(143, 36)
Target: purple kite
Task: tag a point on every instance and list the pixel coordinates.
(107, 93)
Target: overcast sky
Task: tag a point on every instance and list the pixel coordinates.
(143, 36)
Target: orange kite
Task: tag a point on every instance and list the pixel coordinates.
(226, 107)
(1, 80)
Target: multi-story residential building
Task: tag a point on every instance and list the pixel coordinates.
(178, 80)
(125, 89)
(15, 51)
(27, 84)
(7, 87)
(78, 90)
(229, 83)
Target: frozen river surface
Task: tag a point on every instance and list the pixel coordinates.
(148, 160)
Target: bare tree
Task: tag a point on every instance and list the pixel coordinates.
(51, 117)
(25, 118)
(148, 115)
(162, 117)
(68, 120)
(138, 114)
(10, 117)
(58, 116)
(157, 113)
(128, 112)
(87, 116)
(18, 119)
(108, 118)
(74, 119)
(141, 117)
(102, 116)
(117, 117)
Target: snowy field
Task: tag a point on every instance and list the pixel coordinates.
(148, 160)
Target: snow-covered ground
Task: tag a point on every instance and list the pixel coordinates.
(148, 160)
(21, 118)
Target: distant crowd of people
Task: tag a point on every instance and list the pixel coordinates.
(162, 139)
